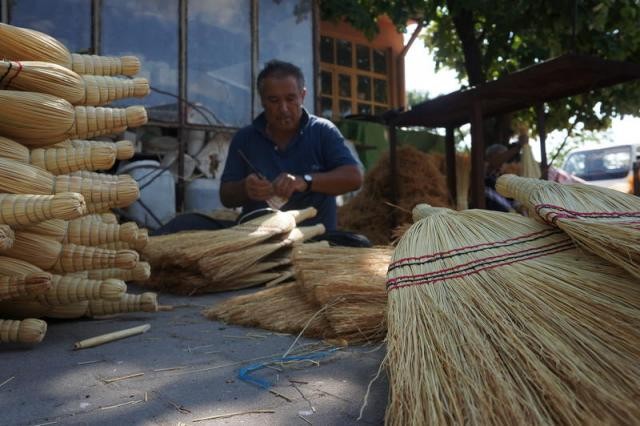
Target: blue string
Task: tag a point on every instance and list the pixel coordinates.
(244, 373)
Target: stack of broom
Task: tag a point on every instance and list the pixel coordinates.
(339, 294)
(62, 254)
(249, 254)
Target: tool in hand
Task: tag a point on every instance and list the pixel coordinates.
(274, 202)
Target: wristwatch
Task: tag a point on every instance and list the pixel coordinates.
(308, 179)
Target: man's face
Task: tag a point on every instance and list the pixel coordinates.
(282, 102)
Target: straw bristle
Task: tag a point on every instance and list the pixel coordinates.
(15, 286)
(42, 77)
(7, 237)
(25, 209)
(22, 44)
(35, 119)
(101, 90)
(39, 250)
(53, 228)
(29, 331)
(19, 178)
(124, 150)
(13, 150)
(497, 319)
(136, 116)
(105, 65)
(70, 159)
(79, 258)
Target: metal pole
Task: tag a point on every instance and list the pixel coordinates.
(477, 158)
(450, 158)
(182, 105)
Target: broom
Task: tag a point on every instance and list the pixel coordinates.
(185, 248)
(102, 217)
(282, 309)
(19, 178)
(124, 149)
(496, 319)
(29, 330)
(101, 90)
(65, 289)
(140, 272)
(37, 119)
(84, 232)
(60, 160)
(26, 209)
(602, 221)
(31, 285)
(23, 44)
(7, 237)
(145, 302)
(48, 254)
(221, 268)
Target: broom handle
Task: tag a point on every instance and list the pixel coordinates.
(145, 302)
(26, 331)
(75, 258)
(27, 209)
(105, 65)
(304, 214)
(69, 289)
(100, 90)
(70, 159)
(110, 337)
(92, 234)
(31, 285)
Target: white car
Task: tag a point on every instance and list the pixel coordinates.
(610, 166)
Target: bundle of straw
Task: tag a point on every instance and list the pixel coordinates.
(221, 268)
(60, 160)
(497, 319)
(37, 119)
(23, 44)
(283, 309)
(124, 149)
(25, 209)
(29, 330)
(84, 232)
(7, 237)
(31, 285)
(49, 254)
(186, 248)
(602, 221)
(42, 77)
(103, 90)
(102, 217)
(145, 302)
(19, 178)
(530, 168)
(140, 272)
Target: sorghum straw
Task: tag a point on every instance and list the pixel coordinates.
(31, 285)
(84, 232)
(38, 119)
(27, 209)
(42, 77)
(601, 220)
(140, 272)
(64, 289)
(494, 318)
(145, 302)
(7, 237)
(29, 330)
(124, 149)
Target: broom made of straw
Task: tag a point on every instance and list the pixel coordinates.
(31, 285)
(26, 209)
(29, 330)
(57, 160)
(140, 272)
(64, 289)
(102, 217)
(23, 44)
(145, 302)
(185, 248)
(603, 221)
(37, 119)
(494, 318)
(50, 255)
(19, 178)
(124, 148)
(84, 232)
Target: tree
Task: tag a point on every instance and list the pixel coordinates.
(415, 97)
(485, 39)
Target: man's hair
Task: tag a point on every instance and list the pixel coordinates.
(279, 69)
(494, 149)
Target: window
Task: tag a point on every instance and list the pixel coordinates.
(219, 64)
(354, 78)
(69, 21)
(147, 29)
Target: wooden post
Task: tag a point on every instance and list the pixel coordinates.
(544, 167)
(477, 158)
(450, 158)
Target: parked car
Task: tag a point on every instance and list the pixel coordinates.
(610, 166)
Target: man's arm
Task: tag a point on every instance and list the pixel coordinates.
(338, 181)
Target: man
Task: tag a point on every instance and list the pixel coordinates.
(293, 155)
(495, 157)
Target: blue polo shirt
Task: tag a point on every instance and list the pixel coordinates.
(318, 147)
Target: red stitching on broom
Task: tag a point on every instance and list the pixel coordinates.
(495, 243)
(538, 207)
(398, 286)
(15, 75)
(484, 260)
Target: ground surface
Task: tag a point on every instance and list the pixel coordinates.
(183, 369)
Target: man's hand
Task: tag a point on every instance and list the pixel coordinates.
(258, 189)
(286, 184)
